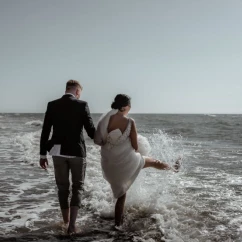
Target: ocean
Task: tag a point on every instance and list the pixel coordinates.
(201, 203)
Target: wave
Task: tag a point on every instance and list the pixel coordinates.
(210, 115)
(34, 123)
(28, 145)
(179, 131)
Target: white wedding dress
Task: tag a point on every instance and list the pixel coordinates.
(120, 163)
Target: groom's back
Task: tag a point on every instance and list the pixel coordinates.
(68, 115)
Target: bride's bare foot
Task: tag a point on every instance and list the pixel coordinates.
(178, 164)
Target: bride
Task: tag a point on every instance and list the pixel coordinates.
(120, 160)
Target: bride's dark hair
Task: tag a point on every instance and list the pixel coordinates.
(120, 101)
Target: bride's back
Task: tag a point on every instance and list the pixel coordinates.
(117, 121)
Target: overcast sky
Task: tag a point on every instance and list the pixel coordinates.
(170, 56)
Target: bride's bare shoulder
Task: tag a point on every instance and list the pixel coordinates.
(132, 120)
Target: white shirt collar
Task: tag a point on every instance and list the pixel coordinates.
(68, 93)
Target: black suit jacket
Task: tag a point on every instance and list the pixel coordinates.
(67, 116)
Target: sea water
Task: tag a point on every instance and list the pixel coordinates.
(203, 202)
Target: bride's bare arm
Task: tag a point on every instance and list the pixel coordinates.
(97, 137)
(133, 136)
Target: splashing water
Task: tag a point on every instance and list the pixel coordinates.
(165, 147)
(146, 199)
(144, 147)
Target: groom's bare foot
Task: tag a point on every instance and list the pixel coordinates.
(64, 226)
(178, 164)
(118, 228)
(71, 230)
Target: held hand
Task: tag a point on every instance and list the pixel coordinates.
(43, 163)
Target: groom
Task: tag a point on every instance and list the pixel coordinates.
(67, 116)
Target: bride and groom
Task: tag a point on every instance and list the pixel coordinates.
(116, 134)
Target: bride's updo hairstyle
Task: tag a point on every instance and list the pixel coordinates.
(121, 101)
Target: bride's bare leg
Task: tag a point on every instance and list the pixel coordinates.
(119, 210)
(150, 162)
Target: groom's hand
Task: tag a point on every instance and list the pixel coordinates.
(43, 163)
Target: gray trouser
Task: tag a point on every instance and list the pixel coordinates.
(62, 167)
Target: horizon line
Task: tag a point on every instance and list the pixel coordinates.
(129, 113)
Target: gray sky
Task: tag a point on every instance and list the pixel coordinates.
(173, 56)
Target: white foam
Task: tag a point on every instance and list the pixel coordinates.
(34, 123)
(143, 145)
(29, 146)
(210, 115)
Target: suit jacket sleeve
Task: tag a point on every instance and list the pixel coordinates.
(88, 123)
(45, 131)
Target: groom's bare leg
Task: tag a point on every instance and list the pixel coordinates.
(66, 215)
(73, 216)
(119, 210)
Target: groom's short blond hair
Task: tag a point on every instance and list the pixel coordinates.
(73, 84)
